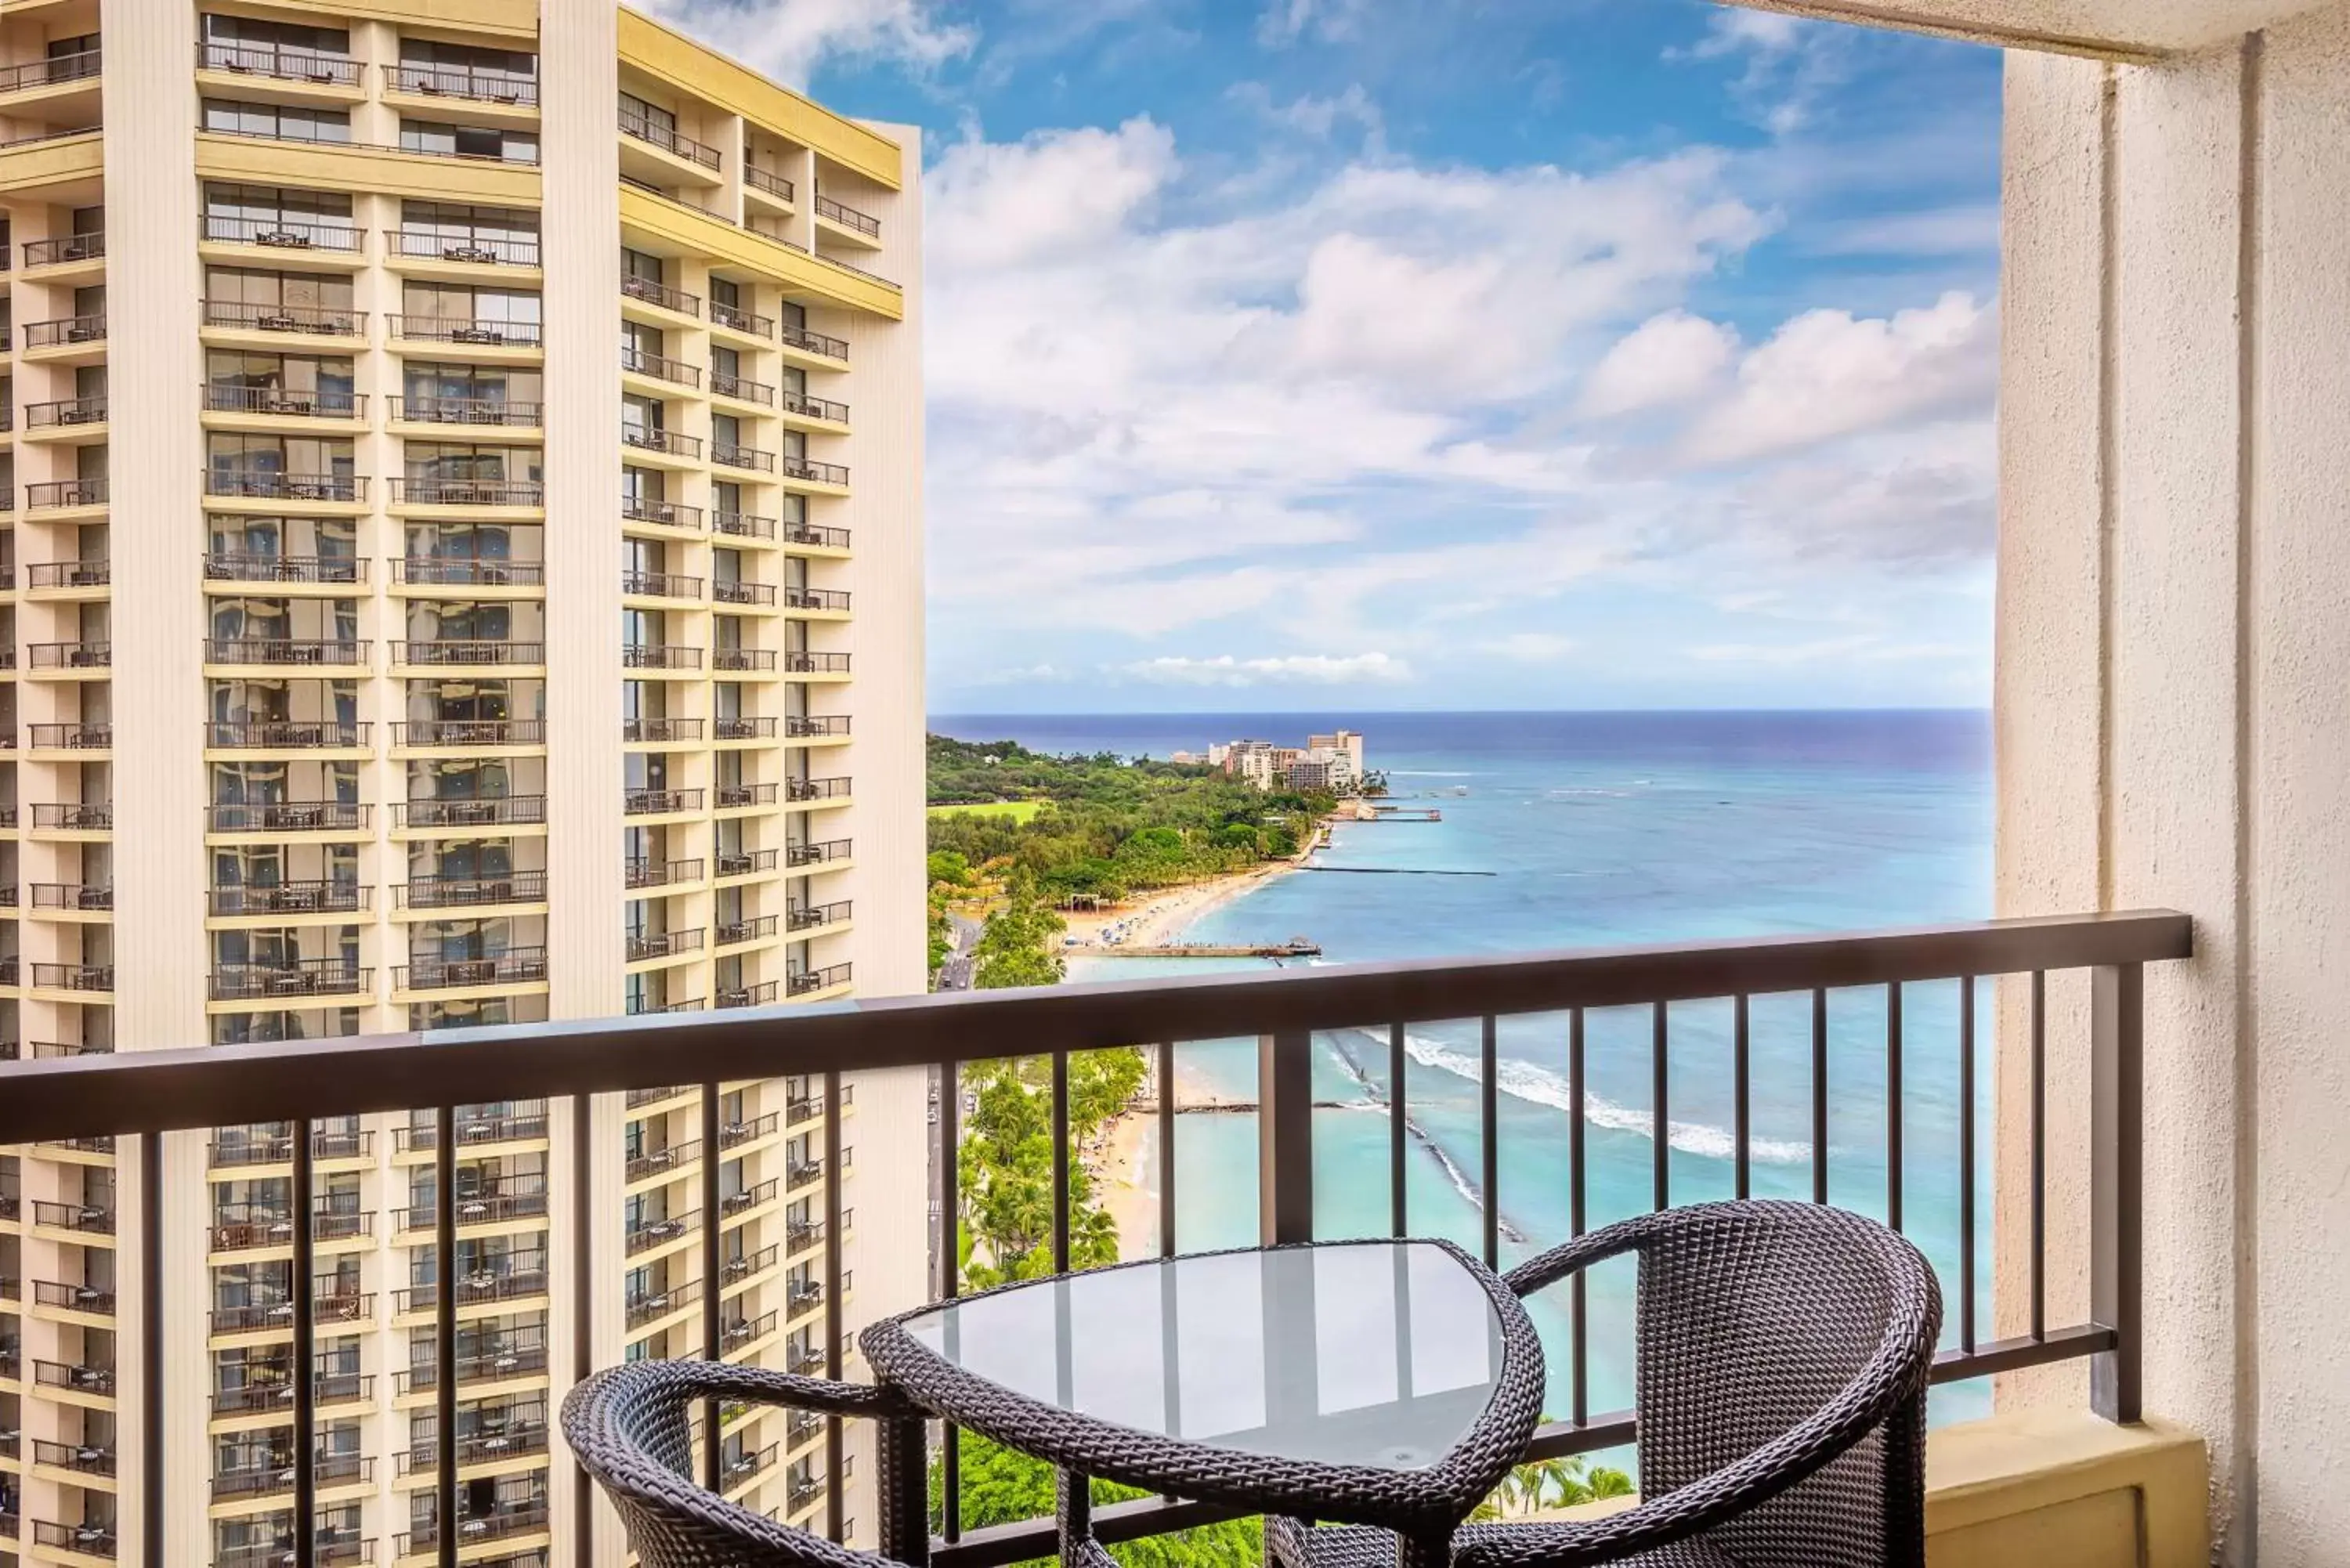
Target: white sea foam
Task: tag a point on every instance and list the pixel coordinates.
(1540, 1086)
(1429, 773)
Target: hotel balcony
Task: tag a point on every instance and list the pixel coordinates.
(661, 731)
(661, 514)
(521, 1198)
(742, 526)
(94, 1300)
(796, 662)
(745, 862)
(487, 1444)
(71, 737)
(490, 249)
(273, 63)
(743, 593)
(328, 1549)
(467, 653)
(817, 789)
(293, 320)
(729, 455)
(470, 732)
(472, 83)
(471, 332)
(57, 70)
(441, 411)
(82, 1219)
(732, 933)
(645, 946)
(659, 368)
(742, 729)
(243, 1227)
(474, 1129)
(71, 655)
(740, 659)
(732, 797)
(660, 802)
(238, 1147)
(640, 872)
(815, 599)
(668, 140)
(71, 977)
(468, 572)
(291, 980)
(326, 571)
(290, 817)
(434, 492)
(78, 1458)
(813, 473)
(280, 403)
(65, 332)
(467, 892)
(269, 484)
(808, 916)
(330, 896)
(649, 292)
(496, 1359)
(816, 343)
(516, 966)
(501, 1523)
(75, 1540)
(275, 1393)
(275, 1474)
(816, 536)
(830, 849)
(2092, 969)
(65, 413)
(61, 575)
(287, 734)
(660, 586)
(668, 1161)
(659, 441)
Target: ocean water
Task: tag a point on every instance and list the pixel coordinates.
(1594, 829)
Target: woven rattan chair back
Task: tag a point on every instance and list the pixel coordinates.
(631, 1429)
(1754, 1319)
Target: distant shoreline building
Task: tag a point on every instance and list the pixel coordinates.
(1333, 761)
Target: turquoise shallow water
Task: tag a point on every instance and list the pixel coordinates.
(1598, 829)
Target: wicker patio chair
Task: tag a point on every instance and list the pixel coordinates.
(1781, 1395)
(631, 1429)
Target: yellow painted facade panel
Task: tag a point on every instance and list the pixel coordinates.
(648, 47)
(360, 169)
(52, 162)
(724, 243)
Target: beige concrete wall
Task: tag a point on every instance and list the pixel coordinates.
(2174, 626)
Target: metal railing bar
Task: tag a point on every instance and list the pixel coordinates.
(306, 1388)
(1001, 1545)
(948, 1241)
(1966, 1164)
(583, 1308)
(2116, 1184)
(1743, 1116)
(2039, 1147)
(168, 1090)
(1489, 1152)
(1398, 1132)
(1165, 1150)
(713, 1230)
(444, 1325)
(1659, 1109)
(1819, 1095)
(1893, 1119)
(2013, 1354)
(832, 1326)
(1578, 1338)
(1556, 1439)
(1060, 1068)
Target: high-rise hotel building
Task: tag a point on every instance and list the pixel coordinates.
(462, 559)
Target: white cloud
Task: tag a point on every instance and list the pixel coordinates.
(1935, 232)
(785, 39)
(1303, 669)
(1730, 31)
(1866, 647)
(1314, 115)
(1790, 62)
(1672, 358)
(1284, 21)
(1826, 374)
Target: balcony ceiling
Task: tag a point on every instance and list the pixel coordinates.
(2122, 28)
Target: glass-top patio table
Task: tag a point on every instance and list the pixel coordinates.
(1379, 1383)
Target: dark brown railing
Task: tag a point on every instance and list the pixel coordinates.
(267, 485)
(475, 811)
(461, 892)
(847, 217)
(289, 816)
(282, 401)
(305, 318)
(284, 735)
(653, 291)
(241, 566)
(440, 492)
(663, 514)
(653, 437)
(741, 658)
(463, 81)
(497, 248)
(728, 455)
(743, 526)
(816, 534)
(637, 126)
(661, 367)
(90, 410)
(742, 593)
(646, 873)
(759, 179)
(737, 319)
(275, 650)
(434, 408)
(284, 233)
(322, 896)
(800, 338)
(660, 732)
(812, 472)
(468, 651)
(54, 71)
(468, 571)
(470, 732)
(72, 737)
(484, 334)
(1809, 980)
(285, 65)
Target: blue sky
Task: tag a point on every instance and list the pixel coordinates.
(1316, 354)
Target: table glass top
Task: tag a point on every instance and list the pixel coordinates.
(1376, 1353)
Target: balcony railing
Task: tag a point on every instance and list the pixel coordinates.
(760, 179)
(758, 995)
(651, 291)
(737, 319)
(800, 983)
(722, 385)
(653, 437)
(277, 1391)
(812, 472)
(245, 1147)
(743, 659)
(665, 514)
(817, 789)
(82, 1377)
(83, 1459)
(480, 86)
(660, 802)
(523, 1124)
(659, 368)
(468, 571)
(90, 410)
(312, 320)
(658, 656)
(282, 64)
(279, 233)
(497, 1524)
(524, 1198)
(729, 933)
(284, 735)
(242, 566)
(808, 916)
(71, 896)
(74, 817)
(740, 728)
(643, 946)
(304, 898)
(742, 593)
(317, 404)
(242, 1227)
(275, 1474)
(519, 1354)
(742, 526)
(461, 892)
(95, 977)
(86, 1540)
(71, 737)
(53, 493)
(516, 966)
(269, 484)
(435, 492)
(468, 651)
(476, 332)
(66, 331)
(327, 1550)
(847, 217)
(743, 862)
(55, 71)
(292, 980)
(806, 726)
(433, 408)
(90, 1218)
(730, 796)
(277, 650)
(817, 343)
(818, 854)
(71, 655)
(289, 816)
(491, 811)
(642, 130)
(1850, 982)
(728, 455)
(818, 535)
(799, 662)
(643, 873)
(508, 1284)
(660, 1162)
(494, 249)
(660, 732)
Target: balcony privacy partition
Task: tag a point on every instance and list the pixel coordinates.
(1632, 999)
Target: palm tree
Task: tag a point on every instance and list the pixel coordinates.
(1540, 1484)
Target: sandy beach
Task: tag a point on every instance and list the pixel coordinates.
(1159, 917)
(1126, 1167)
